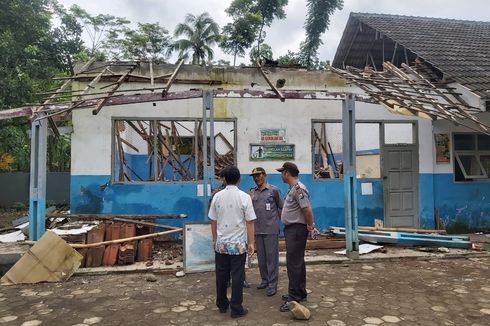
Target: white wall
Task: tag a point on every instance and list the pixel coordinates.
(91, 140)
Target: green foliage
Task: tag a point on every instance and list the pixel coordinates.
(58, 158)
(263, 11)
(31, 53)
(264, 52)
(14, 141)
(317, 21)
(239, 35)
(98, 27)
(290, 58)
(18, 206)
(149, 41)
(201, 33)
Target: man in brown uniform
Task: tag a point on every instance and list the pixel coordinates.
(297, 217)
(267, 203)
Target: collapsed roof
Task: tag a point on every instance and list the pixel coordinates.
(459, 50)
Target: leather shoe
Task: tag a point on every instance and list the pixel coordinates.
(271, 292)
(241, 314)
(284, 307)
(246, 284)
(223, 310)
(262, 286)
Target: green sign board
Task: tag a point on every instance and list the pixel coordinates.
(278, 152)
(273, 135)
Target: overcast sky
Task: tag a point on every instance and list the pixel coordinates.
(286, 34)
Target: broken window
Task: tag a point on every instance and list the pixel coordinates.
(170, 150)
(327, 150)
(472, 156)
(399, 133)
(368, 153)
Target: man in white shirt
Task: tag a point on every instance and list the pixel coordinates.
(232, 223)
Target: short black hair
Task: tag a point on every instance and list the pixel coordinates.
(231, 175)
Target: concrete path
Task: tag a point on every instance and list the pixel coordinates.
(429, 292)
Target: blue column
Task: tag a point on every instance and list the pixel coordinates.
(350, 182)
(37, 186)
(207, 108)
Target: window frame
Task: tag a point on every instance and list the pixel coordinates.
(196, 180)
(476, 152)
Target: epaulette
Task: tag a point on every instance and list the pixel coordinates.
(299, 191)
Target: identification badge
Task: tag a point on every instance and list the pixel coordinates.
(267, 206)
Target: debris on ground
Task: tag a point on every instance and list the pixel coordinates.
(364, 248)
(51, 259)
(298, 311)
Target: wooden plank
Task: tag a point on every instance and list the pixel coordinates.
(274, 88)
(373, 228)
(112, 217)
(104, 243)
(318, 244)
(171, 79)
(119, 82)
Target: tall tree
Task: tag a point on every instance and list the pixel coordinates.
(265, 10)
(201, 33)
(317, 21)
(98, 27)
(30, 55)
(149, 41)
(67, 37)
(239, 35)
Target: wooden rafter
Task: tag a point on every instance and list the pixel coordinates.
(407, 90)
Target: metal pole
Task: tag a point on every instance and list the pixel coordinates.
(207, 103)
(350, 182)
(37, 183)
(211, 141)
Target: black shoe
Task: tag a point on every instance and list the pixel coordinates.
(285, 297)
(262, 286)
(284, 307)
(223, 310)
(271, 292)
(246, 284)
(241, 314)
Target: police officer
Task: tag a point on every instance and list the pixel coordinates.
(267, 203)
(298, 220)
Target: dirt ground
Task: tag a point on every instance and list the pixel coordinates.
(7, 215)
(425, 293)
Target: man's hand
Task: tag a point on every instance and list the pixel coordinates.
(310, 227)
(251, 249)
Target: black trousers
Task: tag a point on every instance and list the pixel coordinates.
(226, 266)
(296, 235)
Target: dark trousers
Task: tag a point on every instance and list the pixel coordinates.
(296, 235)
(267, 246)
(226, 266)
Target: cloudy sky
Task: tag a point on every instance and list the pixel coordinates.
(286, 34)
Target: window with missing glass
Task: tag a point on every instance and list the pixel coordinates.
(171, 150)
(471, 156)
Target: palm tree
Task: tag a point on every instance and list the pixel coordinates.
(201, 34)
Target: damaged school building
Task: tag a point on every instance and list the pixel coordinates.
(421, 90)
